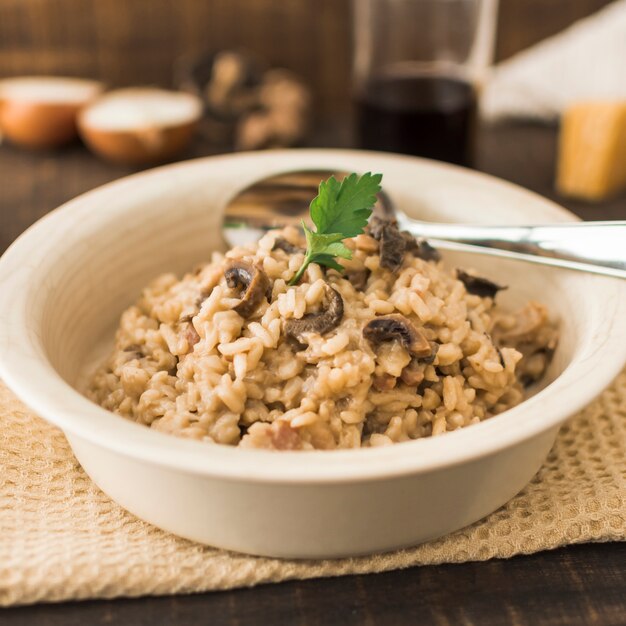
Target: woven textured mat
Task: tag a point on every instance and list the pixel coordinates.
(62, 538)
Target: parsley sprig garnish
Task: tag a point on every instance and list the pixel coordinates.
(340, 210)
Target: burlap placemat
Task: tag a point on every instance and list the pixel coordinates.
(62, 538)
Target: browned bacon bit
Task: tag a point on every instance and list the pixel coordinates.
(320, 322)
(284, 437)
(397, 327)
(254, 282)
(190, 334)
(478, 286)
(384, 382)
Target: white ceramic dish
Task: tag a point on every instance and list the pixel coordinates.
(66, 280)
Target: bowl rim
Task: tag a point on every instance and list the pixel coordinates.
(27, 372)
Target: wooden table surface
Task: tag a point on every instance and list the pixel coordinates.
(574, 585)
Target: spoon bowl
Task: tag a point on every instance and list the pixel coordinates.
(277, 201)
(283, 199)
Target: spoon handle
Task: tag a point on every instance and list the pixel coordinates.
(598, 247)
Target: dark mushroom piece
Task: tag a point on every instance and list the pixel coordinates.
(254, 282)
(392, 247)
(282, 244)
(410, 243)
(478, 286)
(393, 243)
(358, 278)
(397, 327)
(427, 252)
(321, 322)
(420, 247)
(375, 225)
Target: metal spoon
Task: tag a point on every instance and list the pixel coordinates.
(283, 199)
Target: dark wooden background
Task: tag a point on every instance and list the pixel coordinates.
(137, 41)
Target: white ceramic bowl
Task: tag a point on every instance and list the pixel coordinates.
(66, 280)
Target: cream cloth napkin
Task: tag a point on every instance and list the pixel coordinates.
(585, 62)
(62, 538)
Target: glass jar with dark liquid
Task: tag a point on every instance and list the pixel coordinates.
(416, 67)
(432, 116)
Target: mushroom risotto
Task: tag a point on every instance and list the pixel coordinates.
(396, 347)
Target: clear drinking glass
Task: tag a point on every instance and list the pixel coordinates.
(418, 65)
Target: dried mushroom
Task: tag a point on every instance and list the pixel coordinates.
(247, 104)
(224, 79)
(281, 117)
(478, 286)
(321, 322)
(397, 327)
(254, 282)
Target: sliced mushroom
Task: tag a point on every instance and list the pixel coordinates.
(282, 244)
(254, 282)
(479, 286)
(321, 322)
(397, 327)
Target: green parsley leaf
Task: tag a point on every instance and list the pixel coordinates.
(339, 211)
(328, 261)
(345, 207)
